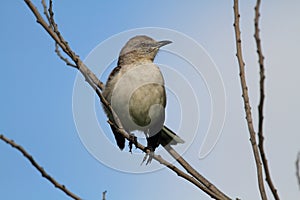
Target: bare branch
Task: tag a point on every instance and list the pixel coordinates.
(194, 173)
(50, 18)
(54, 27)
(188, 177)
(261, 102)
(179, 172)
(64, 45)
(45, 10)
(208, 187)
(298, 168)
(39, 168)
(57, 51)
(246, 101)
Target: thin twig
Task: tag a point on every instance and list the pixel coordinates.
(39, 168)
(57, 51)
(97, 85)
(104, 195)
(46, 11)
(247, 102)
(261, 102)
(63, 45)
(54, 27)
(298, 168)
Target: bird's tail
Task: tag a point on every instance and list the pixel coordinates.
(168, 137)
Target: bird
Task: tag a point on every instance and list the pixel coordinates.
(135, 89)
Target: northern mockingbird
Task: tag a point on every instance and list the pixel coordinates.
(135, 90)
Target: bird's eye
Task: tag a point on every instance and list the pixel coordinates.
(143, 44)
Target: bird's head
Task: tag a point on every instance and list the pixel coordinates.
(140, 48)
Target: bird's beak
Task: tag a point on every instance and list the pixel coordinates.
(163, 43)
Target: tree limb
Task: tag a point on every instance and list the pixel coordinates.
(208, 188)
(246, 101)
(261, 102)
(39, 168)
(194, 173)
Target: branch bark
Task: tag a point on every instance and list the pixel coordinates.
(261, 102)
(194, 173)
(246, 101)
(39, 168)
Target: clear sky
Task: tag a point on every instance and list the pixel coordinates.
(38, 109)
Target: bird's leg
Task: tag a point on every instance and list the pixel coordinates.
(133, 140)
(152, 144)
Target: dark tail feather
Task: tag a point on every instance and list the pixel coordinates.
(169, 137)
(119, 138)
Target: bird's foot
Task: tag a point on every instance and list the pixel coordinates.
(133, 140)
(148, 156)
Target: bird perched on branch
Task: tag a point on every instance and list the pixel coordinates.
(135, 90)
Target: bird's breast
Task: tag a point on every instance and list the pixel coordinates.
(137, 95)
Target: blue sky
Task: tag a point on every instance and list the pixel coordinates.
(37, 88)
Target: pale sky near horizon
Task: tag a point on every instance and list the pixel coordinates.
(37, 105)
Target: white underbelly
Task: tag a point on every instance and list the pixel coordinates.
(139, 99)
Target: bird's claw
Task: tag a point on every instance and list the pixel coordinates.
(133, 140)
(148, 156)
